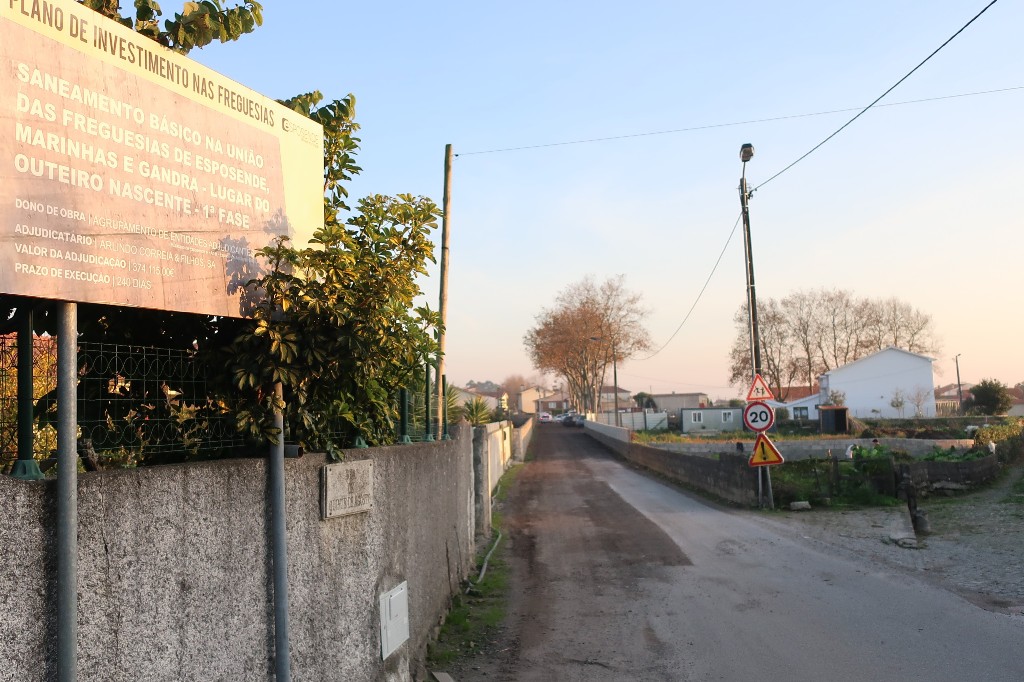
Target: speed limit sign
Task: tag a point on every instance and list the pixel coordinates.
(758, 416)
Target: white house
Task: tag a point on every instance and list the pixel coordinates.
(889, 384)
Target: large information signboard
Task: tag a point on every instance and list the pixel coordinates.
(131, 175)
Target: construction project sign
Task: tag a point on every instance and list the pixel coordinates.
(131, 175)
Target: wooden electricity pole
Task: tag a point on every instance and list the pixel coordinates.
(442, 307)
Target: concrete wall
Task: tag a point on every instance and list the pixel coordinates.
(605, 431)
(635, 421)
(521, 438)
(174, 572)
(727, 476)
(492, 456)
(807, 449)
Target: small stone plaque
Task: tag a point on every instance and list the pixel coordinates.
(346, 488)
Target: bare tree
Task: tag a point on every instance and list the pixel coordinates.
(892, 322)
(898, 401)
(919, 398)
(590, 326)
(801, 311)
(811, 332)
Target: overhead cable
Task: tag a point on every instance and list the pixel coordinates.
(894, 86)
(699, 295)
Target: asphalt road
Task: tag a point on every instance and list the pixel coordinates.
(617, 576)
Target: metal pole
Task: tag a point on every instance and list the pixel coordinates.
(615, 382)
(67, 492)
(403, 416)
(279, 531)
(442, 307)
(959, 389)
(444, 408)
(428, 435)
(26, 467)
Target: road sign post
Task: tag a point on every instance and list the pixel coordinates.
(758, 392)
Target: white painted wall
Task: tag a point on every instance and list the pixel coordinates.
(871, 382)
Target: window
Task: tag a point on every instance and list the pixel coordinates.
(799, 413)
(697, 417)
(726, 417)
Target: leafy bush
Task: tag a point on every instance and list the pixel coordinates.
(997, 433)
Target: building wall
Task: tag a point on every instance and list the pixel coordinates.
(871, 382)
(711, 419)
(673, 402)
(175, 577)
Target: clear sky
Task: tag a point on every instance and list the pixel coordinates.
(920, 201)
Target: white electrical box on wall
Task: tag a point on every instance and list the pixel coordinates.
(394, 619)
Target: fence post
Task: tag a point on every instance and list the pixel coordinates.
(67, 492)
(25, 467)
(403, 412)
(428, 436)
(279, 542)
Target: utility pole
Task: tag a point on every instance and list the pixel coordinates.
(442, 307)
(746, 154)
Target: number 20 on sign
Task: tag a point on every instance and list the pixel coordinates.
(758, 416)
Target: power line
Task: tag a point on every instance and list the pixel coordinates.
(711, 126)
(699, 295)
(894, 86)
(812, 150)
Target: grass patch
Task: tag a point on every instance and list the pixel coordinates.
(476, 614)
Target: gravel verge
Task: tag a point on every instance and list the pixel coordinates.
(975, 547)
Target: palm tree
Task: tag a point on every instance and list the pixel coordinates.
(477, 411)
(451, 399)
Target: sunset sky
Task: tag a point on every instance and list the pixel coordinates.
(596, 140)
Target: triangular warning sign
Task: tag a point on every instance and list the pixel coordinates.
(759, 390)
(765, 453)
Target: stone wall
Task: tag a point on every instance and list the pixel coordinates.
(953, 476)
(174, 571)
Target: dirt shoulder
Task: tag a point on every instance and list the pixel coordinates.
(975, 547)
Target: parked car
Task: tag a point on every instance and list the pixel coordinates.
(544, 417)
(574, 420)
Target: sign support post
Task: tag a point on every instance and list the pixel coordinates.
(758, 416)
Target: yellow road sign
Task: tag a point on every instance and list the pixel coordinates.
(765, 453)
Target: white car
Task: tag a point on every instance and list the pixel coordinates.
(544, 417)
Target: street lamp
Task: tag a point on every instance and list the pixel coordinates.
(615, 377)
(959, 388)
(746, 154)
